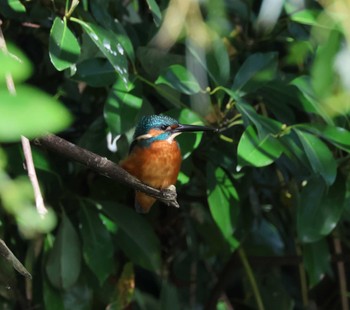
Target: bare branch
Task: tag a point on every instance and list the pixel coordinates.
(8, 255)
(39, 201)
(103, 166)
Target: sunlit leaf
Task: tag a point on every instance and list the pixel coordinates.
(154, 8)
(64, 48)
(110, 46)
(223, 201)
(31, 113)
(257, 152)
(64, 261)
(179, 78)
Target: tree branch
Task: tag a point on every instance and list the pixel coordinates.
(103, 166)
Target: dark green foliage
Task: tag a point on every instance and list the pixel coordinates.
(264, 214)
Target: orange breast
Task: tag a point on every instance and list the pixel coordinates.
(157, 166)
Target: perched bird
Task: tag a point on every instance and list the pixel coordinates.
(154, 156)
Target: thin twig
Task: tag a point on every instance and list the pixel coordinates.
(8, 255)
(341, 275)
(103, 166)
(39, 201)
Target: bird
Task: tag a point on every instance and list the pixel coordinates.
(154, 155)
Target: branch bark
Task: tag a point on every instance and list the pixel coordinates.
(105, 167)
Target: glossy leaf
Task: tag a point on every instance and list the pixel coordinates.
(17, 6)
(256, 70)
(339, 136)
(316, 259)
(64, 49)
(154, 8)
(319, 156)
(121, 109)
(319, 209)
(135, 236)
(96, 239)
(110, 46)
(19, 114)
(223, 201)
(15, 63)
(257, 152)
(96, 72)
(179, 78)
(64, 261)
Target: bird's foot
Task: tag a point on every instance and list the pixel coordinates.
(169, 193)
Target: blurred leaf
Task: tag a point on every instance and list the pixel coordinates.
(258, 69)
(52, 298)
(64, 261)
(64, 49)
(257, 152)
(121, 109)
(223, 202)
(319, 209)
(323, 67)
(19, 114)
(219, 62)
(96, 72)
(17, 6)
(96, 239)
(126, 288)
(316, 259)
(154, 8)
(169, 298)
(320, 157)
(15, 63)
(306, 17)
(110, 46)
(179, 78)
(135, 236)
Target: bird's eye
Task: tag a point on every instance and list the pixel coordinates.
(164, 127)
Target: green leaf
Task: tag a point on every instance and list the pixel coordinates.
(30, 113)
(96, 239)
(135, 236)
(257, 152)
(339, 136)
(121, 109)
(108, 43)
(306, 17)
(169, 297)
(154, 8)
(17, 6)
(96, 72)
(179, 78)
(316, 258)
(52, 298)
(320, 157)
(323, 68)
(258, 69)
(223, 202)
(64, 261)
(64, 49)
(319, 209)
(14, 63)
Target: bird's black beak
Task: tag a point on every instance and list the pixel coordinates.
(192, 128)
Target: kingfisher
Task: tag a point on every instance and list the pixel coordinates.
(154, 156)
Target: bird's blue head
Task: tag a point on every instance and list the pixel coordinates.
(161, 127)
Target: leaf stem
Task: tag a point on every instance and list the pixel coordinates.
(251, 278)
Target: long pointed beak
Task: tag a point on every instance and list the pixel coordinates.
(192, 128)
